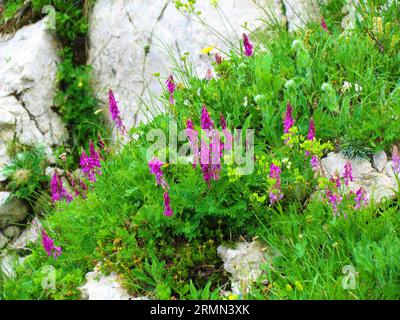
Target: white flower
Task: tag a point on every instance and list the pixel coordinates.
(346, 86)
(186, 103)
(357, 88)
(245, 101)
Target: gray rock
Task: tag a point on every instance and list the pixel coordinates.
(378, 185)
(380, 160)
(301, 12)
(12, 210)
(101, 287)
(245, 264)
(8, 265)
(30, 235)
(3, 240)
(11, 232)
(28, 68)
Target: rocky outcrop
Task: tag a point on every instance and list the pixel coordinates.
(379, 183)
(30, 235)
(301, 12)
(28, 67)
(129, 42)
(12, 210)
(246, 264)
(101, 287)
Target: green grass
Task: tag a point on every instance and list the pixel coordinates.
(121, 223)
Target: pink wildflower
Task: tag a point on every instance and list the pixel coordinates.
(155, 168)
(58, 192)
(323, 24)
(248, 47)
(315, 163)
(206, 122)
(115, 113)
(167, 205)
(335, 200)
(348, 173)
(311, 131)
(288, 122)
(361, 198)
(48, 245)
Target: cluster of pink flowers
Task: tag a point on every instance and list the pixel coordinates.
(211, 152)
(90, 164)
(49, 247)
(171, 86)
(335, 198)
(58, 192)
(115, 113)
(361, 198)
(276, 193)
(155, 165)
(78, 185)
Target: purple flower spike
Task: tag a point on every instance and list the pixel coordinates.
(48, 245)
(348, 173)
(335, 201)
(114, 111)
(155, 168)
(288, 122)
(58, 192)
(315, 163)
(311, 131)
(206, 122)
(248, 47)
(361, 198)
(167, 205)
(170, 84)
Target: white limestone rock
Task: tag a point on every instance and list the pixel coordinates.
(28, 67)
(125, 45)
(301, 12)
(245, 264)
(30, 235)
(101, 287)
(380, 160)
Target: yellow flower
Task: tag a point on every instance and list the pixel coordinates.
(207, 50)
(233, 297)
(288, 287)
(80, 84)
(298, 285)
